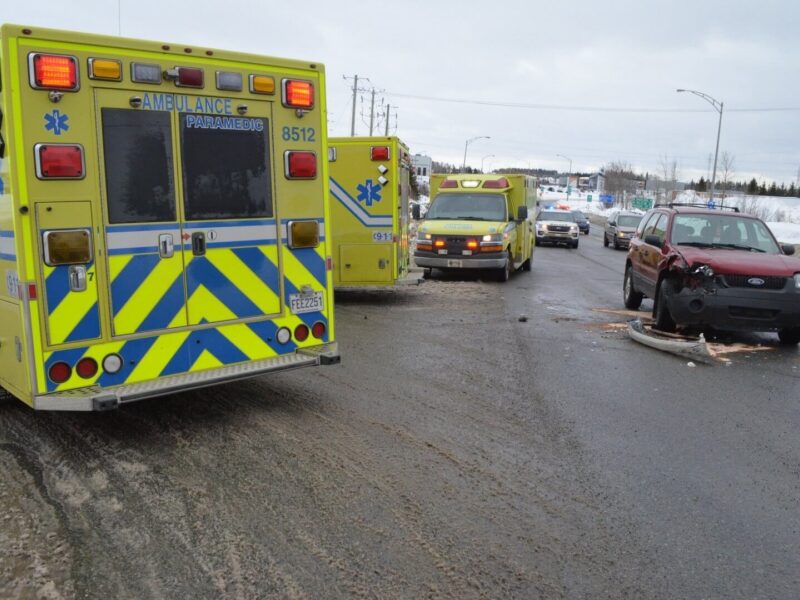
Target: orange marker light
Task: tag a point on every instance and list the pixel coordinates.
(439, 243)
(262, 84)
(105, 68)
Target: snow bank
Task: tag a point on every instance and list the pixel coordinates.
(787, 233)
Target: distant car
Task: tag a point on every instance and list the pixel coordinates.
(582, 221)
(620, 228)
(556, 227)
(712, 268)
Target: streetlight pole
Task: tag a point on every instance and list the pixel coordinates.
(466, 145)
(718, 106)
(570, 170)
(484, 158)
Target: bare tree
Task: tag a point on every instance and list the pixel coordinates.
(668, 171)
(620, 180)
(726, 170)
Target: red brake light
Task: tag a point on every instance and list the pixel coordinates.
(189, 77)
(318, 329)
(301, 333)
(497, 183)
(380, 153)
(86, 368)
(59, 372)
(300, 165)
(59, 161)
(298, 94)
(52, 71)
(449, 183)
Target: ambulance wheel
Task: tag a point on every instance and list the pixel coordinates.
(427, 273)
(526, 266)
(504, 274)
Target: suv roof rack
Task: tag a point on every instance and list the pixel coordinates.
(697, 205)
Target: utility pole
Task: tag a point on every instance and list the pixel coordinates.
(372, 113)
(388, 106)
(353, 117)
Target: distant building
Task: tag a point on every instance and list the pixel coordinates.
(596, 182)
(422, 165)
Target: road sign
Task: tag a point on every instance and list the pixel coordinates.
(711, 203)
(642, 203)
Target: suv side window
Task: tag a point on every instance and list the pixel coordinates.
(642, 224)
(660, 228)
(651, 223)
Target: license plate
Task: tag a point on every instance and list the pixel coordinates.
(305, 303)
(453, 263)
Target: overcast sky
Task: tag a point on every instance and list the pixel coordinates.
(586, 54)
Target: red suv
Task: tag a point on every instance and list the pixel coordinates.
(713, 268)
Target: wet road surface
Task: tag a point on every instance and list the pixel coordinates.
(457, 452)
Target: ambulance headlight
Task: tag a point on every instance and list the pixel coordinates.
(493, 237)
(421, 235)
(112, 363)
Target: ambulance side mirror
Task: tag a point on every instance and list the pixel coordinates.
(522, 213)
(415, 212)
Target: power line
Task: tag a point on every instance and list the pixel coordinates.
(576, 108)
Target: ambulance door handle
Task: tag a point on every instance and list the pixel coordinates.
(77, 278)
(198, 243)
(166, 247)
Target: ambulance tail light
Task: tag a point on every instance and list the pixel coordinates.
(59, 161)
(59, 372)
(318, 330)
(303, 234)
(501, 183)
(449, 183)
(301, 332)
(300, 165)
(298, 94)
(189, 77)
(112, 364)
(380, 153)
(86, 368)
(53, 72)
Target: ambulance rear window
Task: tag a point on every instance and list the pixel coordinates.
(138, 156)
(226, 167)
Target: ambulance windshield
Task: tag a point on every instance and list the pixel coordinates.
(469, 207)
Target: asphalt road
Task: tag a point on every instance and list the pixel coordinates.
(457, 452)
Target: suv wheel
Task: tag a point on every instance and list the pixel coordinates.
(790, 336)
(632, 298)
(605, 239)
(663, 320)
(616, 244)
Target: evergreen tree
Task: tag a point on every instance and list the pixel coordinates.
(773, 189)
(752, 187)
(701, 185)
(762, 189)
(792, 190)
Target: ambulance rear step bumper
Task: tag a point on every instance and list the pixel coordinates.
(97, 398)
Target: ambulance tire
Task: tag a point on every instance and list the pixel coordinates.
(427, 273)
(526, 266)
(504, 274)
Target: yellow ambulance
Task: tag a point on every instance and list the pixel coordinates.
(369, 186)
(163, 218)
(478, 222)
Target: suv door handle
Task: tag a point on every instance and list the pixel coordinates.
(198, 243)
